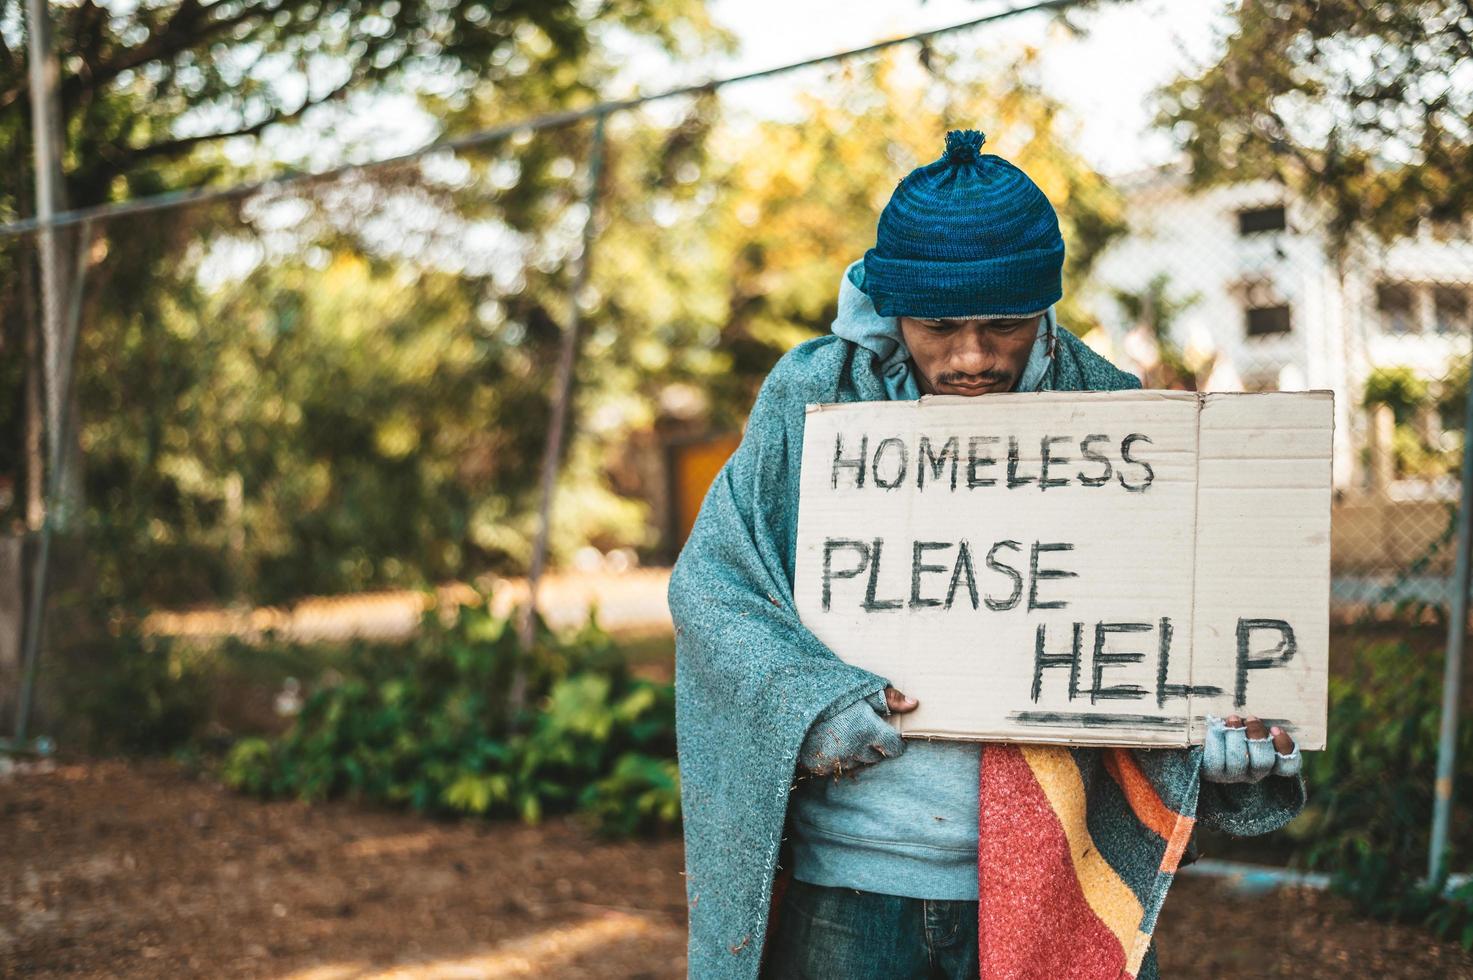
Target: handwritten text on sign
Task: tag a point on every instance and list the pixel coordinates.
(1093, 568)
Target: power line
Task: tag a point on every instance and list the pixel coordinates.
(553, 120)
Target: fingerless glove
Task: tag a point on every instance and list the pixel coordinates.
(1230, 756)
(853, 735)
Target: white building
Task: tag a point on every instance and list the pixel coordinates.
(1269, 310)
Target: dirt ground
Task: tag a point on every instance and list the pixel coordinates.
(114, 869)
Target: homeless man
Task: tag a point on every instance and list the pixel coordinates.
(928, 858)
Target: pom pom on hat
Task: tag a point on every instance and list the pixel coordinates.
(964, 145)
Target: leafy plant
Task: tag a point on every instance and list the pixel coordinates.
(642, 793)
(429, 727)
(1360, 65)
(1372, 790)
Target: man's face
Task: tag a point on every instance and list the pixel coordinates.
(969, 357)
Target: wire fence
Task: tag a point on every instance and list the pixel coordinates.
(347, 383)
(1242, 282)
(446, 279)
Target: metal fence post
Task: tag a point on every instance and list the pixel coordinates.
(45, 81)
(561, 397)
(1452, 678)
(34, 623)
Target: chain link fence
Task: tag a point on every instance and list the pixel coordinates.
(345, 384)
(1237, 289)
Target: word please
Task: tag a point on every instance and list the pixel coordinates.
(1003, 562)
(1105, 461)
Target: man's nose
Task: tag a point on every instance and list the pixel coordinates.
(974, 351)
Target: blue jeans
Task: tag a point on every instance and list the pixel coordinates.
(825, 933)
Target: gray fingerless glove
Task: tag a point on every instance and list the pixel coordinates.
(854, 735)
(1230, 756)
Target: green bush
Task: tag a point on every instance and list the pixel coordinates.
(428, 726)
(1371, 790)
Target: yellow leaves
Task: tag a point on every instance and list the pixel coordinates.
(802, 197)
(1055, 185)
(779, 335)
(650, 354)
(473, 793)
(396, 437)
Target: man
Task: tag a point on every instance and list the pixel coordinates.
(928, 859)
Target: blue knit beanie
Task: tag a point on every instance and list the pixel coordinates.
(966, 235)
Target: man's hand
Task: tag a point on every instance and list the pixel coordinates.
(856, 736)
(899, 704)
(1245, 751)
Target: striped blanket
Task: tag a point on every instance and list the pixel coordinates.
(1081, 840)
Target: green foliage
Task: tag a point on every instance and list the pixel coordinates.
(1412, 401)
(130, 73)
(1371, 795)
(641, 794)
(1345, 101)
(1157, 307)
(1414, 457)
(1401, 389)
(1452, 395)
(267, 389)
(428, 727)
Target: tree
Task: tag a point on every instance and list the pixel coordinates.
(1154, 309)
(189, 496)
(345, 385)
(1399, 388)
(145, 84)
(1363, 106)
(1420, 434)
(800, 200)
(152, 93)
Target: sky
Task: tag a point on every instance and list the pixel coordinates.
(1104, 78)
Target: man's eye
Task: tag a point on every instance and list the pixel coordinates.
(936, 325)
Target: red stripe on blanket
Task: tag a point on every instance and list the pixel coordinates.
(1033, 920)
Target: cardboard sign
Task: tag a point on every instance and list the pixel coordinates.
(1093, 568)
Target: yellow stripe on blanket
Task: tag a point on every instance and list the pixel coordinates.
(1108, 895)
(1138, 954)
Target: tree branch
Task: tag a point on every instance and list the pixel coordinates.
(174, 147)
(177, 35)
(90, 30)
(1312, 167)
